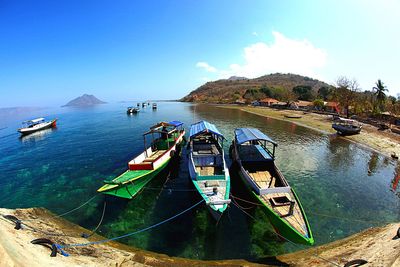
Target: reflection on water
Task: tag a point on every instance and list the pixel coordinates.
(37, 136)
(336, 181)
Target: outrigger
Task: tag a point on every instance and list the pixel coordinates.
(166, 138)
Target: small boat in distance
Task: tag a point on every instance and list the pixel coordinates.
(132, 110)
(207, 167)
(346, 126)
(166, 138)
(267, 184)
(154, 106)
(36, 125)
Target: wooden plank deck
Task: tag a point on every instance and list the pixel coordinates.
(262, 178)
(155, 155)
(205, 170)
(296, 219)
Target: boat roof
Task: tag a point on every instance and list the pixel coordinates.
(174, 123)
(345, 120)
(204, 126)
(156, 128)
(248, 134)
(34, 120)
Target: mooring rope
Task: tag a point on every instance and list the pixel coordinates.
(133, 233)
(98, 225)
(282, 237)
(77, 208)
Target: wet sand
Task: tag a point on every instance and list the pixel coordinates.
(384, 142)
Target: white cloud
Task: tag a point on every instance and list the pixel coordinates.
(205, 66)
(282, 55)
(254, 33)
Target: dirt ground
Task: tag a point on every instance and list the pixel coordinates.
(375, 245)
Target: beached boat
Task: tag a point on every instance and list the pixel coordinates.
(292, 116)
(35, 125)
(132, 110)
(346, 126)
(207, 167)
(166, 139)
(267, 184)
(395, 129)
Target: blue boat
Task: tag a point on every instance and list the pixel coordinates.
(207, 166)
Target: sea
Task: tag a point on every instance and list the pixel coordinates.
(344, 188)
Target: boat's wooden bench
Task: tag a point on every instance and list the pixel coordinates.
(154, 156)
(263, 179)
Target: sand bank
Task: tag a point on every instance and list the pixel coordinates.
(384, 142)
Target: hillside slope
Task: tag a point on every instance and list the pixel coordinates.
(229, 90)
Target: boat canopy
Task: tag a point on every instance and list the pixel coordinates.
(204, 127)
(164, 127)
(35, 120)
(174, 123)
(249, 134)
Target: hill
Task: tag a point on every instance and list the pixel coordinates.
(235, 88)
(84, 101)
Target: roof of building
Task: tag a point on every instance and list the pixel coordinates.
(268, 99)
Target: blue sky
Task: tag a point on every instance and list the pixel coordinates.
(53, 51)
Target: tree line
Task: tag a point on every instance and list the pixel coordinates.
(346, 92)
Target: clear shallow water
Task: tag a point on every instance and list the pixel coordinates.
(60, 169)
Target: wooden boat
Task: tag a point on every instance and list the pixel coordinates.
(132, 110)
(346, 126)
(292, 116)
(267, 184)
(395, 129)
(207, 166)
(35, 125)
(166, 138)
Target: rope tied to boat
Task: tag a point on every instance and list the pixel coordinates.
(132, 233)
(84, 235)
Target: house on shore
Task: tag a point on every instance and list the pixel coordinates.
(267, 102)
(301, 104)
(332, 107)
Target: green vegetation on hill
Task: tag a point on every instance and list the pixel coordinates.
(276, 85)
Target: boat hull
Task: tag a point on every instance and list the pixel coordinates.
(283, 229)
(46, 125)
(135, 180)
(344, 130)
(131, 189)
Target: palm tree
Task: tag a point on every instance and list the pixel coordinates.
(380, 90)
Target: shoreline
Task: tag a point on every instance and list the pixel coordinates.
(383, 142)
(379, 246)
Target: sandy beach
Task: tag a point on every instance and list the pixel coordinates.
(384, 142)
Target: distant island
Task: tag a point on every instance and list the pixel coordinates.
(84, 101)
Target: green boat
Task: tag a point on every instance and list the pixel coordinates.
(166, 138)
(267, 184)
